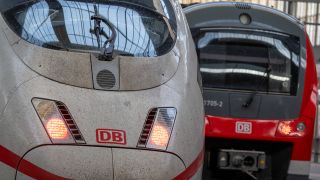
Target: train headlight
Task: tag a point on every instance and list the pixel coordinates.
(57, 129)
(285, 128)
(245, 19)
(157, 128)
(291, 128)
(301, 127)
(57, 121)
(159, 135)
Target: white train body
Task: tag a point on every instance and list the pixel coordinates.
(65, 114)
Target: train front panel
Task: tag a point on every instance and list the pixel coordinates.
(260, 90)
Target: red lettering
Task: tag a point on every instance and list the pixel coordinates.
(105, 136)
(117, 137)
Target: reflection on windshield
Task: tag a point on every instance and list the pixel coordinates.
(244, 71)
(229, 35)
(239, 59)
(66, 24)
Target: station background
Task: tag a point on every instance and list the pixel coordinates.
(307, 11)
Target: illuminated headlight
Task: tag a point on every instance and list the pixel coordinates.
(291, 128)
(285, 128)
(157, 129)
(57, 121)
(245, 19)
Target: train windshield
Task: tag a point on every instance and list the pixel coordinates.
(249, 61)
(144, 28)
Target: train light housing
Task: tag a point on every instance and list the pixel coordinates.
(291, 128)
(285, 128)
(157, 129)
(245, 19)
(301, 127)
(57, 121)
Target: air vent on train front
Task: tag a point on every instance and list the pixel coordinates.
(106, 79)
(147, 128)
(105, 74)
(70, 123)
(243, 6)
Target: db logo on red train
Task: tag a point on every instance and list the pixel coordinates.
(111, 136)
(244, 127)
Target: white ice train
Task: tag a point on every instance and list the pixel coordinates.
(98, 90)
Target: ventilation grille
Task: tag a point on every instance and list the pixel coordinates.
(243, 6)
(74, 130)
(106, 79)
(147, 128)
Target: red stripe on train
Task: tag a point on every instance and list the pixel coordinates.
(192, 169)
(11, 159)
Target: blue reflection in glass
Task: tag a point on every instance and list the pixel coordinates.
(66, 25)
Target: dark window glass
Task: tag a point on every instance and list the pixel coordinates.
(249, 60)
(144, 28)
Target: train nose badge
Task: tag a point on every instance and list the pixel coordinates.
(244, 127)
(111, 136)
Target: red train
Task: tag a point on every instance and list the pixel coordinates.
(260, 90)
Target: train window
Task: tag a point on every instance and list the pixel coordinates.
(249, 61)
(144, 28)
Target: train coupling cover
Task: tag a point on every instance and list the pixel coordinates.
(250, 161)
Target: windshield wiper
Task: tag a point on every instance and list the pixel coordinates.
(108, 47)
(252, 95)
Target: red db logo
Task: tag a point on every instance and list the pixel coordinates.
(111, 136)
